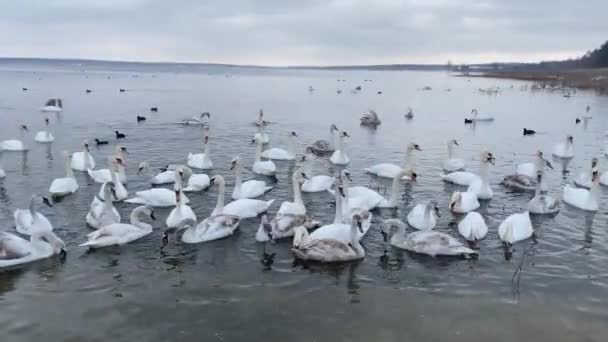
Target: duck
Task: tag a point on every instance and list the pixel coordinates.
(465, 178)
(542, 203)
(54, 105)
(424, 216)
(201, 160)
(584, 178)
(387, 170)
(141, 118)
(515, 228)
(263, 167)
(430, 243)
(197, 120)
(410, 114)
(195, 181)
(339, 157)
(154, 109)
(45, 136)
(282, 226)
(15, 144)
(463, 202)
(101, 142)
(82, 161)
(15, 250)
(323, 147)
(120, 135)
(564, 150)
(370, 119)
(296, 207)
(330, 250)
(282, 154)
(529, 131)
(480, 186)
(453, 164)
(180, 212)
(582, 198)
(28, 221)
(243, 208)
(65, 185)
(473, 227)
(118, 234)
(250, 189)
(102, 211)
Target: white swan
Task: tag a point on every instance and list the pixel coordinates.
(180, 212)
(584, 178)
(516, 227)
(318, 183)
(122, 233)
(424, 216)
(260, 136)
(330, 250)
(463, 177)
(339, 157)
(323, 147)
(477, 118)
(28, 221)
(54, 105)
(387, 170)
(480, 186)
(282, 154)
(104, 175)
(453, 164)
(45, 136)
(166, 176)
(296, 207)
(473, 227)
(156, 197)
(15, 144)
(201, 160)
(370, 119)
(282, 226)
(120, 191)
(463, 202)
(82, 161)
(431, 243)
(542, 203)
(65, 185)
(565, 150)
(102, 211)
(249, 189)
(582, 198)
(195, 181)
(197, 120)
(15, 250)
(530, 169)
(263, 167)
(243, 208)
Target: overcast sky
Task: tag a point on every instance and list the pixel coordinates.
(298, 32)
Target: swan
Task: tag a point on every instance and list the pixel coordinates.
(582, 198)
(249, 189)
(516, 227)
(431, 243)
(330, 250)
(180, 212)
(473, 227)
(424, 216)
(453, 164)
(104, 175)
(282, 226)
(480, 186)
(53, 105)
(197, 120)
(463, 177)
(2, 172)
(477, 118)
(82, 161)
(15, 144)
(260, 136)
(323, 147)
(263, 167)
(243, 208)
(370, 119)
(166, 176)
(463, 202)
(121, 192)
(28, 221)
(584, 178)
(118, 234)
(201, 160)
(66, 185)
(282, 154)
(44, 136)
(318, 183)
(564, 150)
(102, 211)
(387, 170)
(195, 181)
(339, 157)
(530, 169)
(542, 203)
(15, 250)
(156, 197)
(296, 207)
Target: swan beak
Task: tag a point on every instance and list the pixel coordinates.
(139, 170)
(414, 177)
(253, 141)
(63, 253)
(456, 143)
(437, 212)
(86, 147)
(211, 181)
(152, 216)
(360, 226)
(305, 176)
(114, 194)
(548, 164)
(120, 162)
(346, 134)
(47, 202)
(341, 190)
(417, 147)
(24, 127)
(233, 165)
(452, 204)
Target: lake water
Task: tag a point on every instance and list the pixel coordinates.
(220, 291)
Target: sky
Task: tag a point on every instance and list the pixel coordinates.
(303, 32)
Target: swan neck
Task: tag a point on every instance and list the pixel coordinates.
(332, 138)
(297, 195)
(238, 179)
(483, 172)
(219, 207)
(136, 221)
(395, 189)
(450, 150)
(338, 216)
(258, 150)
(68, 168)
(427, 211)
(341, 143)
(33, 207)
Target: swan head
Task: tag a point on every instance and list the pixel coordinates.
(142, 166)
(593, 163)
(24, 127)
(433, 205)
(149, 212)
(301, 175)
(346, 175)
(488, 157)
(411, 173)
(234, 163)
(455, 200)
(474, 111)
(58, 245)
(119, 161)
(414, 146)
(570, 139)
(595, 176)
(454, 142)
(293, 134)
(121, 149)
(207, 114)
(110, 188)
(217, 179)
(357, 221)
(341, 191)
(345, 135)
(44, 200)
(333, 127)
(46, 121)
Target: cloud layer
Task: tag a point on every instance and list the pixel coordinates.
(279, 32)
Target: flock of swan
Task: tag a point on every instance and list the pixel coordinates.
(333, 241)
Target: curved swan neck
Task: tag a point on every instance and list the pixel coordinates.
(390, 223)
(594, 191)
(450, 149)
(221, 185)
(238, 179)
(206, 148)
(408, 161)
(297, 195)
(341, 143)
(354, 229)
(33, 206)
(136, 221)
(258, 150)
(428, 209)
(332, 137)
(338, 216)
(68, 167)
(483, 171)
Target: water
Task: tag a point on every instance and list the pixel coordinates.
(221, 291)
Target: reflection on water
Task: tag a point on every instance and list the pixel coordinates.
(236, 289)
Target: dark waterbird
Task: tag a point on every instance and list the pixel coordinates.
(120, 135)
(529, 131)
(24, 89)
(122, 90)
(468, 121)
(88, 91)
(101, 142)
(577, 121)
(141, 118)
(154, 109)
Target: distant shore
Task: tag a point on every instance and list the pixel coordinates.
(590, 79)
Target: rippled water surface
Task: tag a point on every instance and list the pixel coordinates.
(221, 291)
